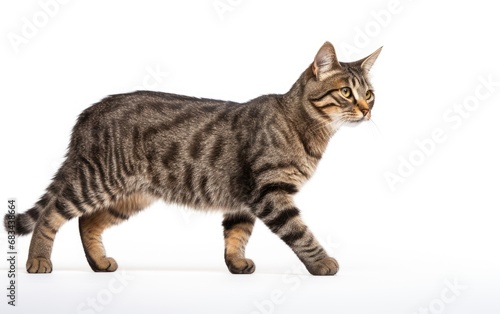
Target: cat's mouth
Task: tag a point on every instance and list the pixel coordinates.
(357, 120)
(361, 117)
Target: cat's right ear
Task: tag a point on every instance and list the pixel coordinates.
(325, 61)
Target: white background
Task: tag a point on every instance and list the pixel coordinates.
(428, 242)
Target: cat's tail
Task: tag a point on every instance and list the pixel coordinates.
(24, 223)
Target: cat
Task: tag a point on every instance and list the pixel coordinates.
(247, 160)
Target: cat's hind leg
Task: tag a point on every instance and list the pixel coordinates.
(237, 229)
(43, 237)
(61, 204)
(91, 228)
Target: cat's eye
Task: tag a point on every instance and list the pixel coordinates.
(346, 92)
(368, 95)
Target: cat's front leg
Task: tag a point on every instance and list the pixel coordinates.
(283, 218)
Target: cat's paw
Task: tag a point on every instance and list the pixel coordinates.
(39, 265)
(328, 266)
(104, 264)
(240, 266)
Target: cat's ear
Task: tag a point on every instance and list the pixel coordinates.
(367, 63)
(325, 61)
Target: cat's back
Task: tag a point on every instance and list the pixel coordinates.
(153, 119)
(144, 106)
(152, 112)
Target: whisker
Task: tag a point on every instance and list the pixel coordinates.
(375, 126)
(335, 124)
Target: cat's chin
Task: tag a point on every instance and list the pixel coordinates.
(352, 124)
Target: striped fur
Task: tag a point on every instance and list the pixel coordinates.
(247, 160)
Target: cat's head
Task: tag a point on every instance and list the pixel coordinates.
(341, 91)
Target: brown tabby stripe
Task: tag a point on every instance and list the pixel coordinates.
(46, 236)
(276, 167)
(34, 212)
(113, 172)
(166, 126)
(118, 214)
(91, 184)
(188, 177)
(22, 225)
(315, 253)
(85, 188)
(118, 161)
(69, 195)
(209, 109)
(123, 159)
(172, 154)
(196, 145)
(203, 186)
(268, 209)
(330, 100)
(322, 113)
(307, 146)
(274, 187)
(48, 225)
(293, 236)
(136, 143)
(276, 223)
(44, 201)
(217, 151)
(62, 209)
(230, 221)
(235, 122)
(101, 176)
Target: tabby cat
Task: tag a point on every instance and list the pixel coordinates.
(247, 160)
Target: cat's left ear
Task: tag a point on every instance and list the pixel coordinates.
(366, 63)
(325, 61)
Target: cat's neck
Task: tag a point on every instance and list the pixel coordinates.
(315, 128)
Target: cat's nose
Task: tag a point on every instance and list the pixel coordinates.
(366, 114)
